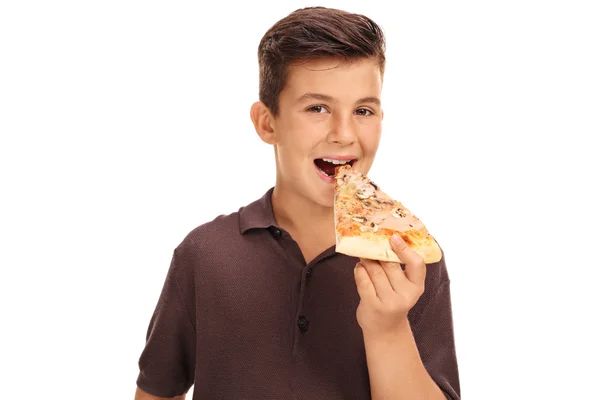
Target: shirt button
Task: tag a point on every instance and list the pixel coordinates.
(303, 323)
(309, 271)
(276, 232)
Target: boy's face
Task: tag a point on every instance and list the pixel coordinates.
(328, 110)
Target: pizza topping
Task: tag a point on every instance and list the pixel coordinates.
(342, 178)
(370, 204)
(365, 192)
(386, 202)
(399, 213)
(359, 219)
(372, 227)
(399, 224)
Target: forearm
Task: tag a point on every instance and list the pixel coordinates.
(396, 371)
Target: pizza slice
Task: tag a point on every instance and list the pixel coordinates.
(366, 218)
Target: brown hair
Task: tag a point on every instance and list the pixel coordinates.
(310, 33)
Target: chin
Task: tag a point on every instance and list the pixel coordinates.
(325, 200)
(322, 194)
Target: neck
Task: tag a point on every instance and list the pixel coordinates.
(298, 214)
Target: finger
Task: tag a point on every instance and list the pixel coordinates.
(365, 287)
(395, 275)
(415, 269)
(380, 281)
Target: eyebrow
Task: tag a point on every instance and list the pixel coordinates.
(324, 97)
(374, 100)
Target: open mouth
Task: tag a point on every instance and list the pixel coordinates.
(328, 166)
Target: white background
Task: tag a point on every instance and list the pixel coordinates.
(120, 120)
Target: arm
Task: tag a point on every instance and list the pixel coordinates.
(168, 360)
(387, 294)
(395, 367)
(141, 395)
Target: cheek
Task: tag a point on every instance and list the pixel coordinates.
(300, 138)
(294, 146)
(369, 141)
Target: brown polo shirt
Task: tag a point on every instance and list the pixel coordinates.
(242, 316)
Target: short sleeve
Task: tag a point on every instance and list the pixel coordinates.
(167, 362)
(434, 334)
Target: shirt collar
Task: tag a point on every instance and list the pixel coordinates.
(258, 214)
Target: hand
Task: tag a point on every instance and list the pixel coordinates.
(386, 291)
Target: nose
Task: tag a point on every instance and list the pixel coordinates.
(342, 130)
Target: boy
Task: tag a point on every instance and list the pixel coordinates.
(257, 304)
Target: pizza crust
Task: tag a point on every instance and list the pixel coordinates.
(378, 247)
(374, 248)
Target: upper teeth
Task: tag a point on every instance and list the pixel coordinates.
(337, 162)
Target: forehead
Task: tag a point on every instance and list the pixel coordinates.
(334, 77)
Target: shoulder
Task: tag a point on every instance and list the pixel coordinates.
(437, 283)
(437, 273)
(218, 241)
(202, 247)
(213, 234)
(229, 228)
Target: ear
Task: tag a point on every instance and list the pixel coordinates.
(262, 118)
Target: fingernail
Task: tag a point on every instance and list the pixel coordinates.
(396, 239)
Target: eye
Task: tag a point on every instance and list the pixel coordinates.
(317, 109)
(364, 112)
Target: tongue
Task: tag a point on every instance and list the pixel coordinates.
(326, 167)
